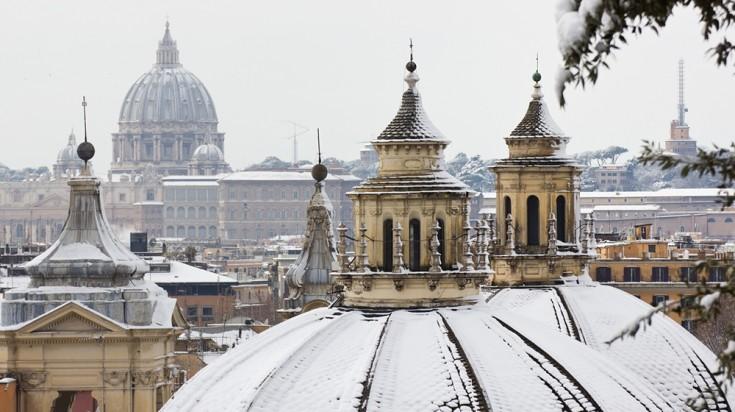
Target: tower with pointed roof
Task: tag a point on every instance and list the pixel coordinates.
(308, 278)
(88, 332)
(413, 238)
(540, 233)
(167, 114)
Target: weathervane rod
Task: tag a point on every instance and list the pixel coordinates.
(536, 61)
(410, 46)
(84, 108)
(318, 145)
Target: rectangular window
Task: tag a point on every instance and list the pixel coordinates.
(122, 197)
(192, 312)
(688, 274)
(688, 324)
(659, 299)
(603, 274)
(716, 274)
(660, 274)
(207, 313)
(632, 274)
(652, 248)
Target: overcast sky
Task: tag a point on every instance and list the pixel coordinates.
(339, 65)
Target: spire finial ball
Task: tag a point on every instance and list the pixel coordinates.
(319, 172)
(411, 66)
(537, 77)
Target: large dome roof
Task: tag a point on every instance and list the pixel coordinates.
(520, 349)
(168, 92)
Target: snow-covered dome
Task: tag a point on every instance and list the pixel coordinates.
(519, 349)
(168, 92)
(69, 152)
(208, 152)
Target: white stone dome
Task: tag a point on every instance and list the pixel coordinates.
(69, 153)
(208, 152)
(519, 349)
(168, 92)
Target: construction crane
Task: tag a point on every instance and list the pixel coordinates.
(298, 130)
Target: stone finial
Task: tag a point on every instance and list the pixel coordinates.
(342, 248)
(510, 243)
(398, 265)
(491, 233)
(468, 261)
(436, 259)
(552, 249)
(362, 257)
(483, 263)
(586, 234)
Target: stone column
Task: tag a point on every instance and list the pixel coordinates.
(157, 148)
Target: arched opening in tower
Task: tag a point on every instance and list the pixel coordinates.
(561, 218)
(532, 221)
(506, 212)
(440, 235)
(414, 244)
(388, 245)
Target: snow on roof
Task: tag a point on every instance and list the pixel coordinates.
(282, 176)
(190, 183)
(687, 192)
(524, 349)
(626, 208)
(182, 273)
(9, 282)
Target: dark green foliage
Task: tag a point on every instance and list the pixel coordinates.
(609, 26)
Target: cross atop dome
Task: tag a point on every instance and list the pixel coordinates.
(168, 52)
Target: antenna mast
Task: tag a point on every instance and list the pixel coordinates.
(682, 107)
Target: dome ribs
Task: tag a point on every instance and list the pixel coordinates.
(473, 386)
(368, 382)
(575, 396)
(570, 323)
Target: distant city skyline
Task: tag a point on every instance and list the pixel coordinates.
(324, 64)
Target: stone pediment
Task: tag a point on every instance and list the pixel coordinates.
(71, 317)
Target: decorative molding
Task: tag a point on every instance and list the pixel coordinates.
(149, 377)
(115, 378)
(32, 379)
(398, 284)
(432, 283)
(367, 284)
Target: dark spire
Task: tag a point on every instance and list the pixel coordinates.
(537, 122)
(411, 122)
(167, 53)
(319, 172)
(85, 150)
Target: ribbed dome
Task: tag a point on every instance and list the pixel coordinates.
(208, 152)
(519, 349)
(168, 92)
(69, 152)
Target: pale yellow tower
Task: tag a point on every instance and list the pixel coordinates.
(412, 244)
(541, 235)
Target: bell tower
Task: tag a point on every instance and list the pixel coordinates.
(413, 240)
(540, 234)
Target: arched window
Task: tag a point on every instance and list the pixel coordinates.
(180, 231)
(728, 220)
(202, 232)
(181, 213)
(212, 212)
(532, 221)
(170, 212)
(414, 244)
(191, 232)
(388, 245)
(711, 220)
(212, 232)
(202, 213)
(191, 213)
(506, 207)
(170, 231)
(561, 218)
(440, 235)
